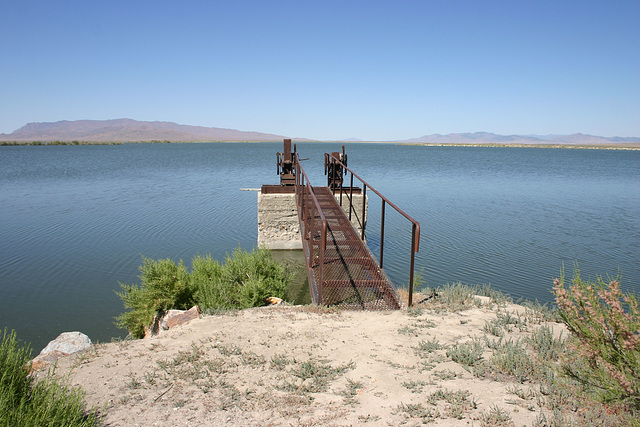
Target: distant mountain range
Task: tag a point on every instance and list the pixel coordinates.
(124, 130)
(127, 130)
(492, 138)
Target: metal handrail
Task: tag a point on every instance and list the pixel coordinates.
(304, 188)
(415, 229)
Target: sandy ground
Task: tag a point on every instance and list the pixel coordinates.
(301, 366)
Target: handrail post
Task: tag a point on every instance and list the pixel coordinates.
(382, 233)
(351, 197)
(306, 214)
(302, 205)
(364, 206)
(413, 256)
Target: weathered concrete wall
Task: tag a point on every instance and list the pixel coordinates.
(278, 226)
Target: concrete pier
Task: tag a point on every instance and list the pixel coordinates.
(278, 226)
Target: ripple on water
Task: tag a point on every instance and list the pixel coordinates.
(74, 222)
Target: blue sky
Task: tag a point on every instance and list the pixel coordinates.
(375, 70)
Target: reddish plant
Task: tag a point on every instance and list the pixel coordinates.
(605, 323)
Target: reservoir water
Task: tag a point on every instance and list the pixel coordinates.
(75, 220)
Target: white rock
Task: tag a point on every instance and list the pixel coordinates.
(68, 343)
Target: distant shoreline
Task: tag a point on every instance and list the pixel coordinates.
(631, 146)
(622, 146)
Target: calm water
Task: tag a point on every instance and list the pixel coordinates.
(75, 220)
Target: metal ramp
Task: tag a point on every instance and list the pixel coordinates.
(345, 273)
(341, 269)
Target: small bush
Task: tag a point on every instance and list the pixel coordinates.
(208, 288)
(511, 358)
(246, 280)
(25, 401)
(164, 287)
(605, 323)
(468, 353)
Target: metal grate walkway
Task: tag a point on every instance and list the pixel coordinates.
(345, 274)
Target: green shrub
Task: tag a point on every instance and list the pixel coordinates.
(605, 322)
(246, 280)
(25, 401)
(210, 292)
(254, 276)
(165, 286)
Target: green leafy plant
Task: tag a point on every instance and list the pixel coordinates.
(605, 323)
(165, 286)
(25, 401)
(254, 276)
(246, 280)
(208, 288)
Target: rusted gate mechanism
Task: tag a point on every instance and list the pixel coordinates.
(285, 165)
(340, 267)
(336, 169)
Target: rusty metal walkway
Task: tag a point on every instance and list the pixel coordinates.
(341, 269)
(345, 273)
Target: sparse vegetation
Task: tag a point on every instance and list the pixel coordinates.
(496, 416)
(601, 357)
(25, 401)
(426, 347)
(454, 297)
(511, 358)
(248, 372)
(319, 372)
(545, 344)
(418, 410)
(351, 392)
(468, 353)
(458, 402)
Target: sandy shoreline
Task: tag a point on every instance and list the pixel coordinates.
(303, 366)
